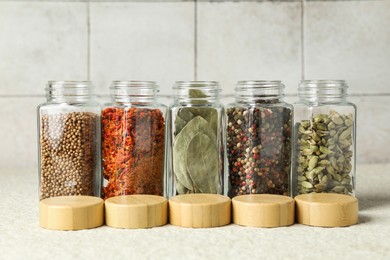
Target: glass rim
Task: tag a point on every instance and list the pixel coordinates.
(133, 84)
(197, 84)
(259, 84)
(323, 83)
(54, 84)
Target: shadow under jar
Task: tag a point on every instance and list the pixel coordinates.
(69, 141)
(258, 135)
(196, 138)
(324, 138)
(133, 140)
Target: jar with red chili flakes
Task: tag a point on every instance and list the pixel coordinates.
(258, 135)
(133, 140)
(196, 154)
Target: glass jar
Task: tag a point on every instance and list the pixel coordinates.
(69, 141)
(324, 138)
(133, 140)
(196, 152)
(258, 135)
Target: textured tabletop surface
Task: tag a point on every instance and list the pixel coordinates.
(21, 237)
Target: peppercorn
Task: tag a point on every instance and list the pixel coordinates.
(262, 147)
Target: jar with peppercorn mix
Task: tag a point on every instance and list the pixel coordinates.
(324, 138)
(133, 140)
(258, 137)
(69, 141)
(196, 138)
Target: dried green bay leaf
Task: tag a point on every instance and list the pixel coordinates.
(209, 114)
(179, 124)
(180, 147)
(180, 188)
(196, 93)
(185, 114)
(202, 163)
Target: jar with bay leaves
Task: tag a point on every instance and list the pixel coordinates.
(196, 152)
(258, 135)
(69, 141)
(324, 138)
(133, 140)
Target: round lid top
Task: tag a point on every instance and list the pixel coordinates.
(199, 210)
(136, 211)
(263, 210)
(71, 212)
(326, 209)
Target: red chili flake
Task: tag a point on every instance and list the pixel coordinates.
(133, 142)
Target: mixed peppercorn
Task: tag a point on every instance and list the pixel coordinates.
(258, 150)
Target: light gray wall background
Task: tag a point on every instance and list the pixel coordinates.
(167, 41)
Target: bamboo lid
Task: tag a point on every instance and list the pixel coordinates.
(71, 212)
(263, 210)
(326, 209)
(200, 210)
(136, 211)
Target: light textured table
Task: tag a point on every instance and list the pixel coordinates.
(21, 237)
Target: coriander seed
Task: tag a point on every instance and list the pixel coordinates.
(69, 140)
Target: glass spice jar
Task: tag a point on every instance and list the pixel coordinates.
(133, 140)
(69, 141)
(196, 138)
(258, 135)
(324, 138)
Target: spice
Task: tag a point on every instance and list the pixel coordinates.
(259, 149)
(133, 141)
(324, 153)
(68, 154)
(195, 151)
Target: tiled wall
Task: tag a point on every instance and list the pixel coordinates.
(167, 41)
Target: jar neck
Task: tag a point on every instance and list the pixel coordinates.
(133, 91)
(196, 92)
(322, 91)
(68, 91)
(259, 91)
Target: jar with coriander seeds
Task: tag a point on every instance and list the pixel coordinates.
(69, 141)
(258, 139)
(324, 138)
(133, 140)
(196, 139)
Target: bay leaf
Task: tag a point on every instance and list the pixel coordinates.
(180, 146)
(185, 114)
(179, 124)
(197, 93)
(202, 163)
(209, 114)
(180, 188)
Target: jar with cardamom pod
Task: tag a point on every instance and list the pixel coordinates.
(258, 137)
(196, 138)
(133, 140)
(324, 138)
(69, 141)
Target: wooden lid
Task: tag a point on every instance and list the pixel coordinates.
(136, 211)
(200, 210)
(326, 209)
(263, 210)
(71, 212)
